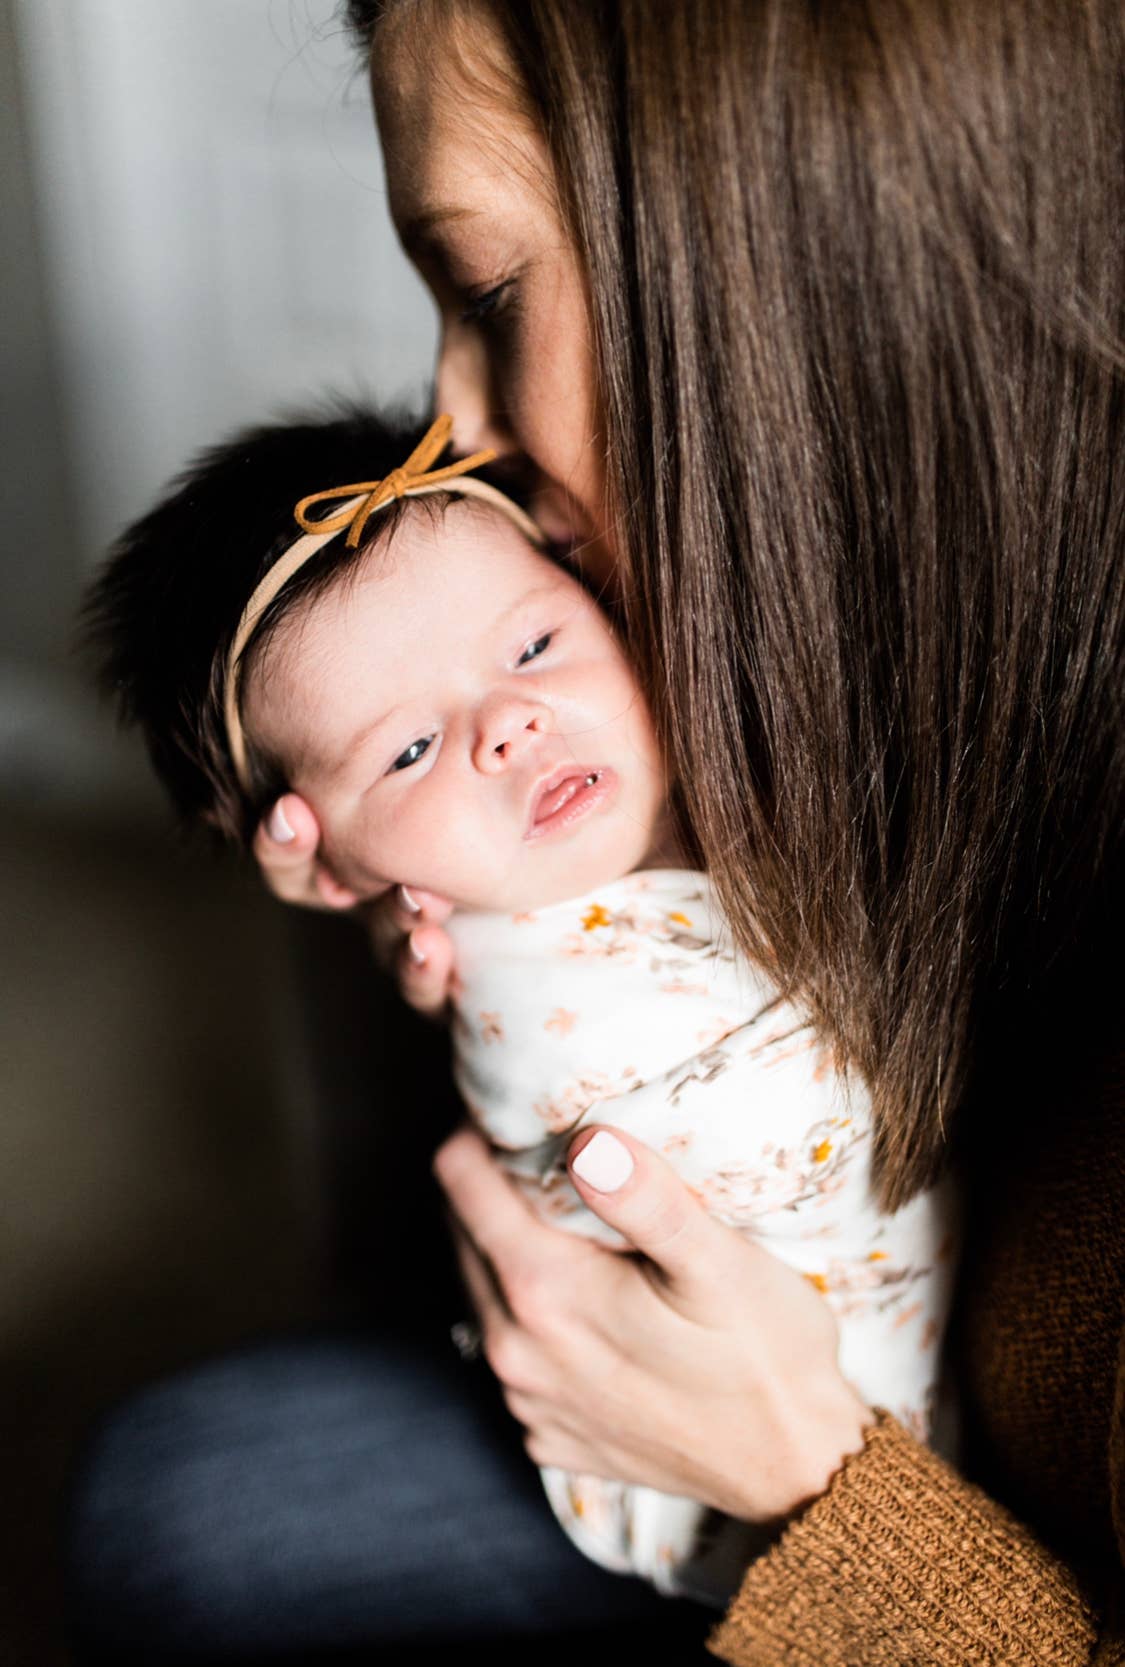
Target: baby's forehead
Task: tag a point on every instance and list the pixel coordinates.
(465, 550)
(451, 571)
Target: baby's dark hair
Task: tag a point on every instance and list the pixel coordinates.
(161, 615)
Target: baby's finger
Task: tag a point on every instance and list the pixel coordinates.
(426, 969)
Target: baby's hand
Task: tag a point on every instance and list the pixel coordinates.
(405, 926)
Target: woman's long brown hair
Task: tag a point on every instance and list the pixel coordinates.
(856, 276)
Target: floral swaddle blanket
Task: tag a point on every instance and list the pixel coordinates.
(630, 1007)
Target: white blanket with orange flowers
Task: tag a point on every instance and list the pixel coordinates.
(630, 1007)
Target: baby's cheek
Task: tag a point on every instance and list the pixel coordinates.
(361, 850)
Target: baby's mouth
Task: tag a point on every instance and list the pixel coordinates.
(567, 795)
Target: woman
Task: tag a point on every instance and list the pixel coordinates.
(808, 322)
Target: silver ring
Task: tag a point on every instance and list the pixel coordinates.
(467, 1338)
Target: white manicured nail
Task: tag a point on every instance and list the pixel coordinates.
(409, 901)
(604, 1163)
(415, 953)
(279, 830)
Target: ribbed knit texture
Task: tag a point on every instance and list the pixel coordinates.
(903, 1562)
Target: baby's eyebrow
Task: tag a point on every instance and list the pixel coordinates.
(338, 760)
(528, 596)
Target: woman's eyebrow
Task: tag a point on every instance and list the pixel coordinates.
(416, 231)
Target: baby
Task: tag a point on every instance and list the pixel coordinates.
(461, 717)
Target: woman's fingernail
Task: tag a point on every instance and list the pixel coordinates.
(409, 901)
(604, 1163)
(277, 827)
(415, 953)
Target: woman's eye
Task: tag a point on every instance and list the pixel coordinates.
(413, 753)
(535, 649)
(480, 307)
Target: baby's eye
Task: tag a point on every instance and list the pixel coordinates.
(534, 649)
(412, 754)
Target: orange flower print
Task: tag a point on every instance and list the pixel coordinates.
(818, 1282)
(561, 1022)
(678, 1142)
(680, 920)
(596, 916)
(491, 1029)
(823, 1152)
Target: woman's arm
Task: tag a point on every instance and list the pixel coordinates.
(903, 1563)
(706, 1368)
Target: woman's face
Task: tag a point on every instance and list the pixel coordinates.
(471, 192)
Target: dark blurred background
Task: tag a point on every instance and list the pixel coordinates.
(195, 235)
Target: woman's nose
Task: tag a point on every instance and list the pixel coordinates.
(464, 388)
(506, 733)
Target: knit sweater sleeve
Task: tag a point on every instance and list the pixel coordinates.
(903, 1562)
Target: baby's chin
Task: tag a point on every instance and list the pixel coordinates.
(564, 888)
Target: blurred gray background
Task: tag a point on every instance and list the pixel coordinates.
(194, 235)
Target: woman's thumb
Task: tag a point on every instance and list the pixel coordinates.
(631, 1189)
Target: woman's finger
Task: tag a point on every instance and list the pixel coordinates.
(635, 1191)
(484, 1297)
(487, 1206)
(506, 1348)
(331, 893)
(426, 969)
(285, 844)
(410, 907)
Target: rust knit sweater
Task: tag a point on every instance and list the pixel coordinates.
(906, 1563)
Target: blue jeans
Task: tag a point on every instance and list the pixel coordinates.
(324, 1495)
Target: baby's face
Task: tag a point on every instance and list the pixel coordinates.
(461, 718)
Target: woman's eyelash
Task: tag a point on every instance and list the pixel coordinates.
(415, 751)
(535, 649)
(479, 307)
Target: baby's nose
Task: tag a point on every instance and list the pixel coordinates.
(506, 732)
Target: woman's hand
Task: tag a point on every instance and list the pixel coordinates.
(405, 926)
(704, 1367)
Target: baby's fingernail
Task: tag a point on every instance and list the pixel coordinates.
(604, 1163)
(277, 827)
(409, 901)
(415, 953)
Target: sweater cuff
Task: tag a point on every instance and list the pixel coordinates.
(902, 1561)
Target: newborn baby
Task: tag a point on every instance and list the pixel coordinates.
(461, 717)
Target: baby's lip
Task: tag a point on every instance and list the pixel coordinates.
(552, 793)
